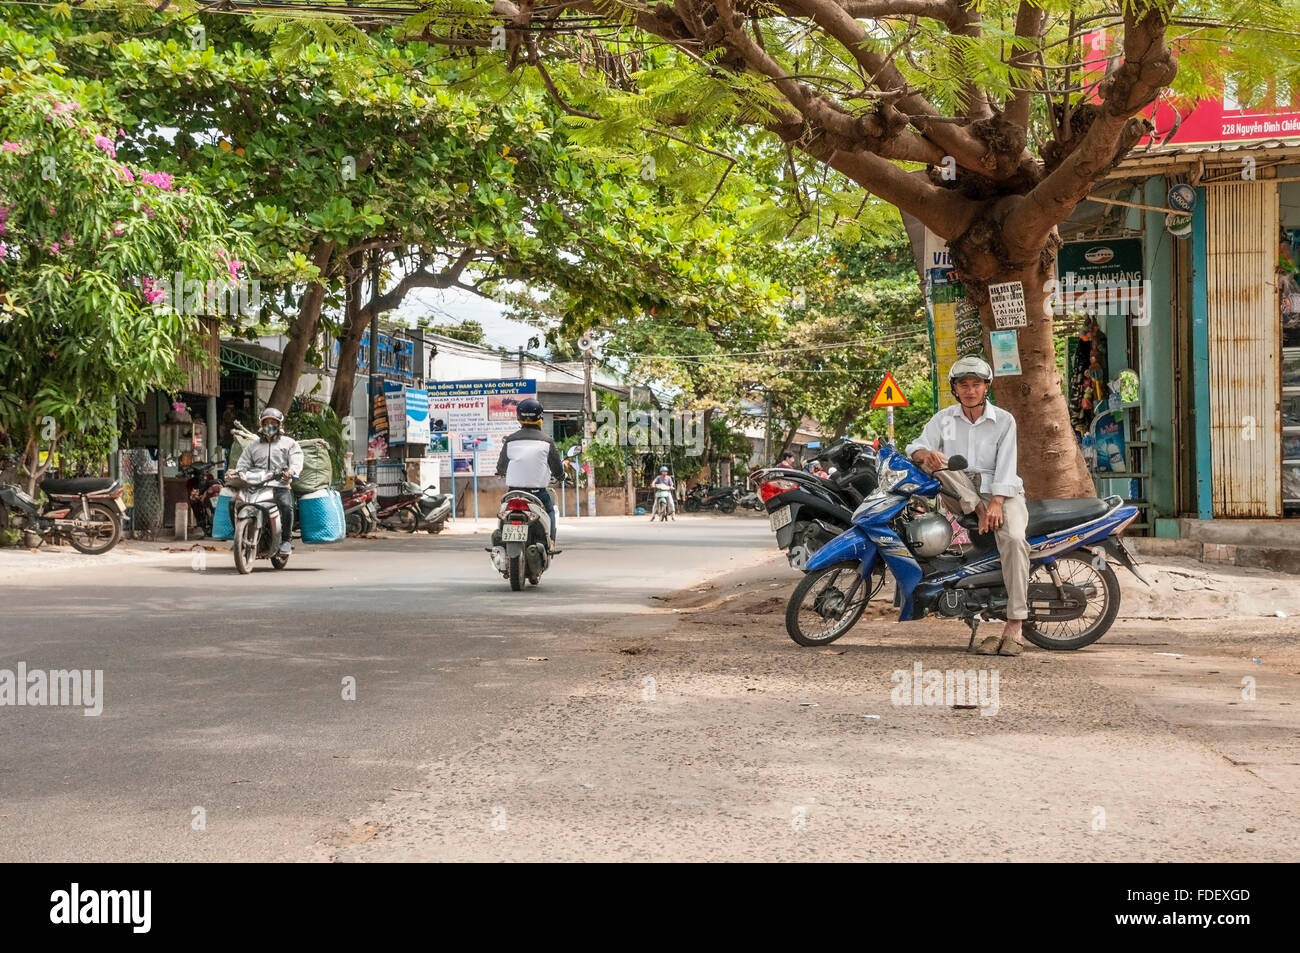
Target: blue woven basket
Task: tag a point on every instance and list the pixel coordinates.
(222, 525)
(321, 513)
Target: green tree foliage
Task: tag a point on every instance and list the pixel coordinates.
(85, 236)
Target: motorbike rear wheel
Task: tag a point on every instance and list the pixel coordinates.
(406, 520)
(101, 539)
(517, 573)
(1078, 569)
(245, 544)
(692, 505)
(728, 505)
(828, 602)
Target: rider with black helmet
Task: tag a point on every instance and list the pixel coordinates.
(529, 458)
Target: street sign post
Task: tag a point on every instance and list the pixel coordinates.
(889, 395)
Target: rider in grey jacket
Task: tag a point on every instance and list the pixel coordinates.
(529, 458)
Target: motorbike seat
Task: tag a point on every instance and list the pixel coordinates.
(1048, 516)
(80, 485)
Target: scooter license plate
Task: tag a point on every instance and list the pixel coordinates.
(779, 518)
(514, 533)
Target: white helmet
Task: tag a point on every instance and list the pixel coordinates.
(970, 366)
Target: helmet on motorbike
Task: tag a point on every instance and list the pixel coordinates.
(529, 412)
(929, 535)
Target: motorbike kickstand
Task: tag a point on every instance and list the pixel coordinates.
(974, 623)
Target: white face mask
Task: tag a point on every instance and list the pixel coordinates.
(271, 430)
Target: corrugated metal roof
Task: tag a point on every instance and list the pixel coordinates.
(1166, 155)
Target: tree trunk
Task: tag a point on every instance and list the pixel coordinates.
(1050, 461)
(354, 328)
(301, 332)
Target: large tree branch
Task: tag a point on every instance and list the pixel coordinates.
(948, 139)
(1148, 67)
(1029, 26)
(969, 23)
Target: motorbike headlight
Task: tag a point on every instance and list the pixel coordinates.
(890, 478)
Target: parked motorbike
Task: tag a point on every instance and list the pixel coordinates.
(521, 542)
(87, 512)
(204, 488)
(415, 509)
(806, 512)
(705, 496)
(750, 500)
(257, 520)
(359, 509)
(1073, 592)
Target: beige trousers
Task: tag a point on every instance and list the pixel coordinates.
(1012, 546)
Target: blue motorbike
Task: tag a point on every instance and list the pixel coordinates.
(1073, 591)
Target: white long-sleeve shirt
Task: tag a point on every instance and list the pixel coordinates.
(988, 444)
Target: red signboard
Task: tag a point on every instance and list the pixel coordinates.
(1205, 122)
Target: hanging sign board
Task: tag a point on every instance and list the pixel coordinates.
(889, 394)
(1008, 302)
(1006, 353)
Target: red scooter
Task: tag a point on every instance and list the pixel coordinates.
(359, 509)
(415, 509)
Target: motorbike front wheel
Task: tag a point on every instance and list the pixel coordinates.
(107, 531)
(692, 505)
(245, 545)
(1095, 576)
(828, 602)
(355, 524)
(728, 505)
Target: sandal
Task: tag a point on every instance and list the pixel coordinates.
(1011, 647)
(988, 646)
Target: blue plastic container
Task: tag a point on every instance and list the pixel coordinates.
(322, 519)
(223, 526)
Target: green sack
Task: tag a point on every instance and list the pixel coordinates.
(317, 469)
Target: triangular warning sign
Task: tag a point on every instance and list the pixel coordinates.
(889, 394)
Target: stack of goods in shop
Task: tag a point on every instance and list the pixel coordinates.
(1087, 377)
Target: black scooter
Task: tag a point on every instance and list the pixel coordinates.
(703, 496)
(805, 511)
(88, 512)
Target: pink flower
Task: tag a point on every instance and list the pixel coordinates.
(51, 208)
(105, 143)
(234, 267)
(148, 212)
(61, 108)
(152, 290)
(54, 248)
(159, 180)
(127, 175)
(3, 251)
(118, 229)
(8, 146)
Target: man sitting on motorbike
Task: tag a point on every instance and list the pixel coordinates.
(529, 459)
(987, 438)
(281, 457)
(664, 481)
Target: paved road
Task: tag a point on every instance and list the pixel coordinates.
(223, 695)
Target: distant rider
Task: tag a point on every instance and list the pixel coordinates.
(529, 459)
(665, 481)
(279, 455)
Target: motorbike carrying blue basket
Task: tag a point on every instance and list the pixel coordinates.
(223, 526)
(322, 519)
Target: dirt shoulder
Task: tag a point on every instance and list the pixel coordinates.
(711, 736)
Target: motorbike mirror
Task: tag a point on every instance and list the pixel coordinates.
(956, 463)
(574, 450)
